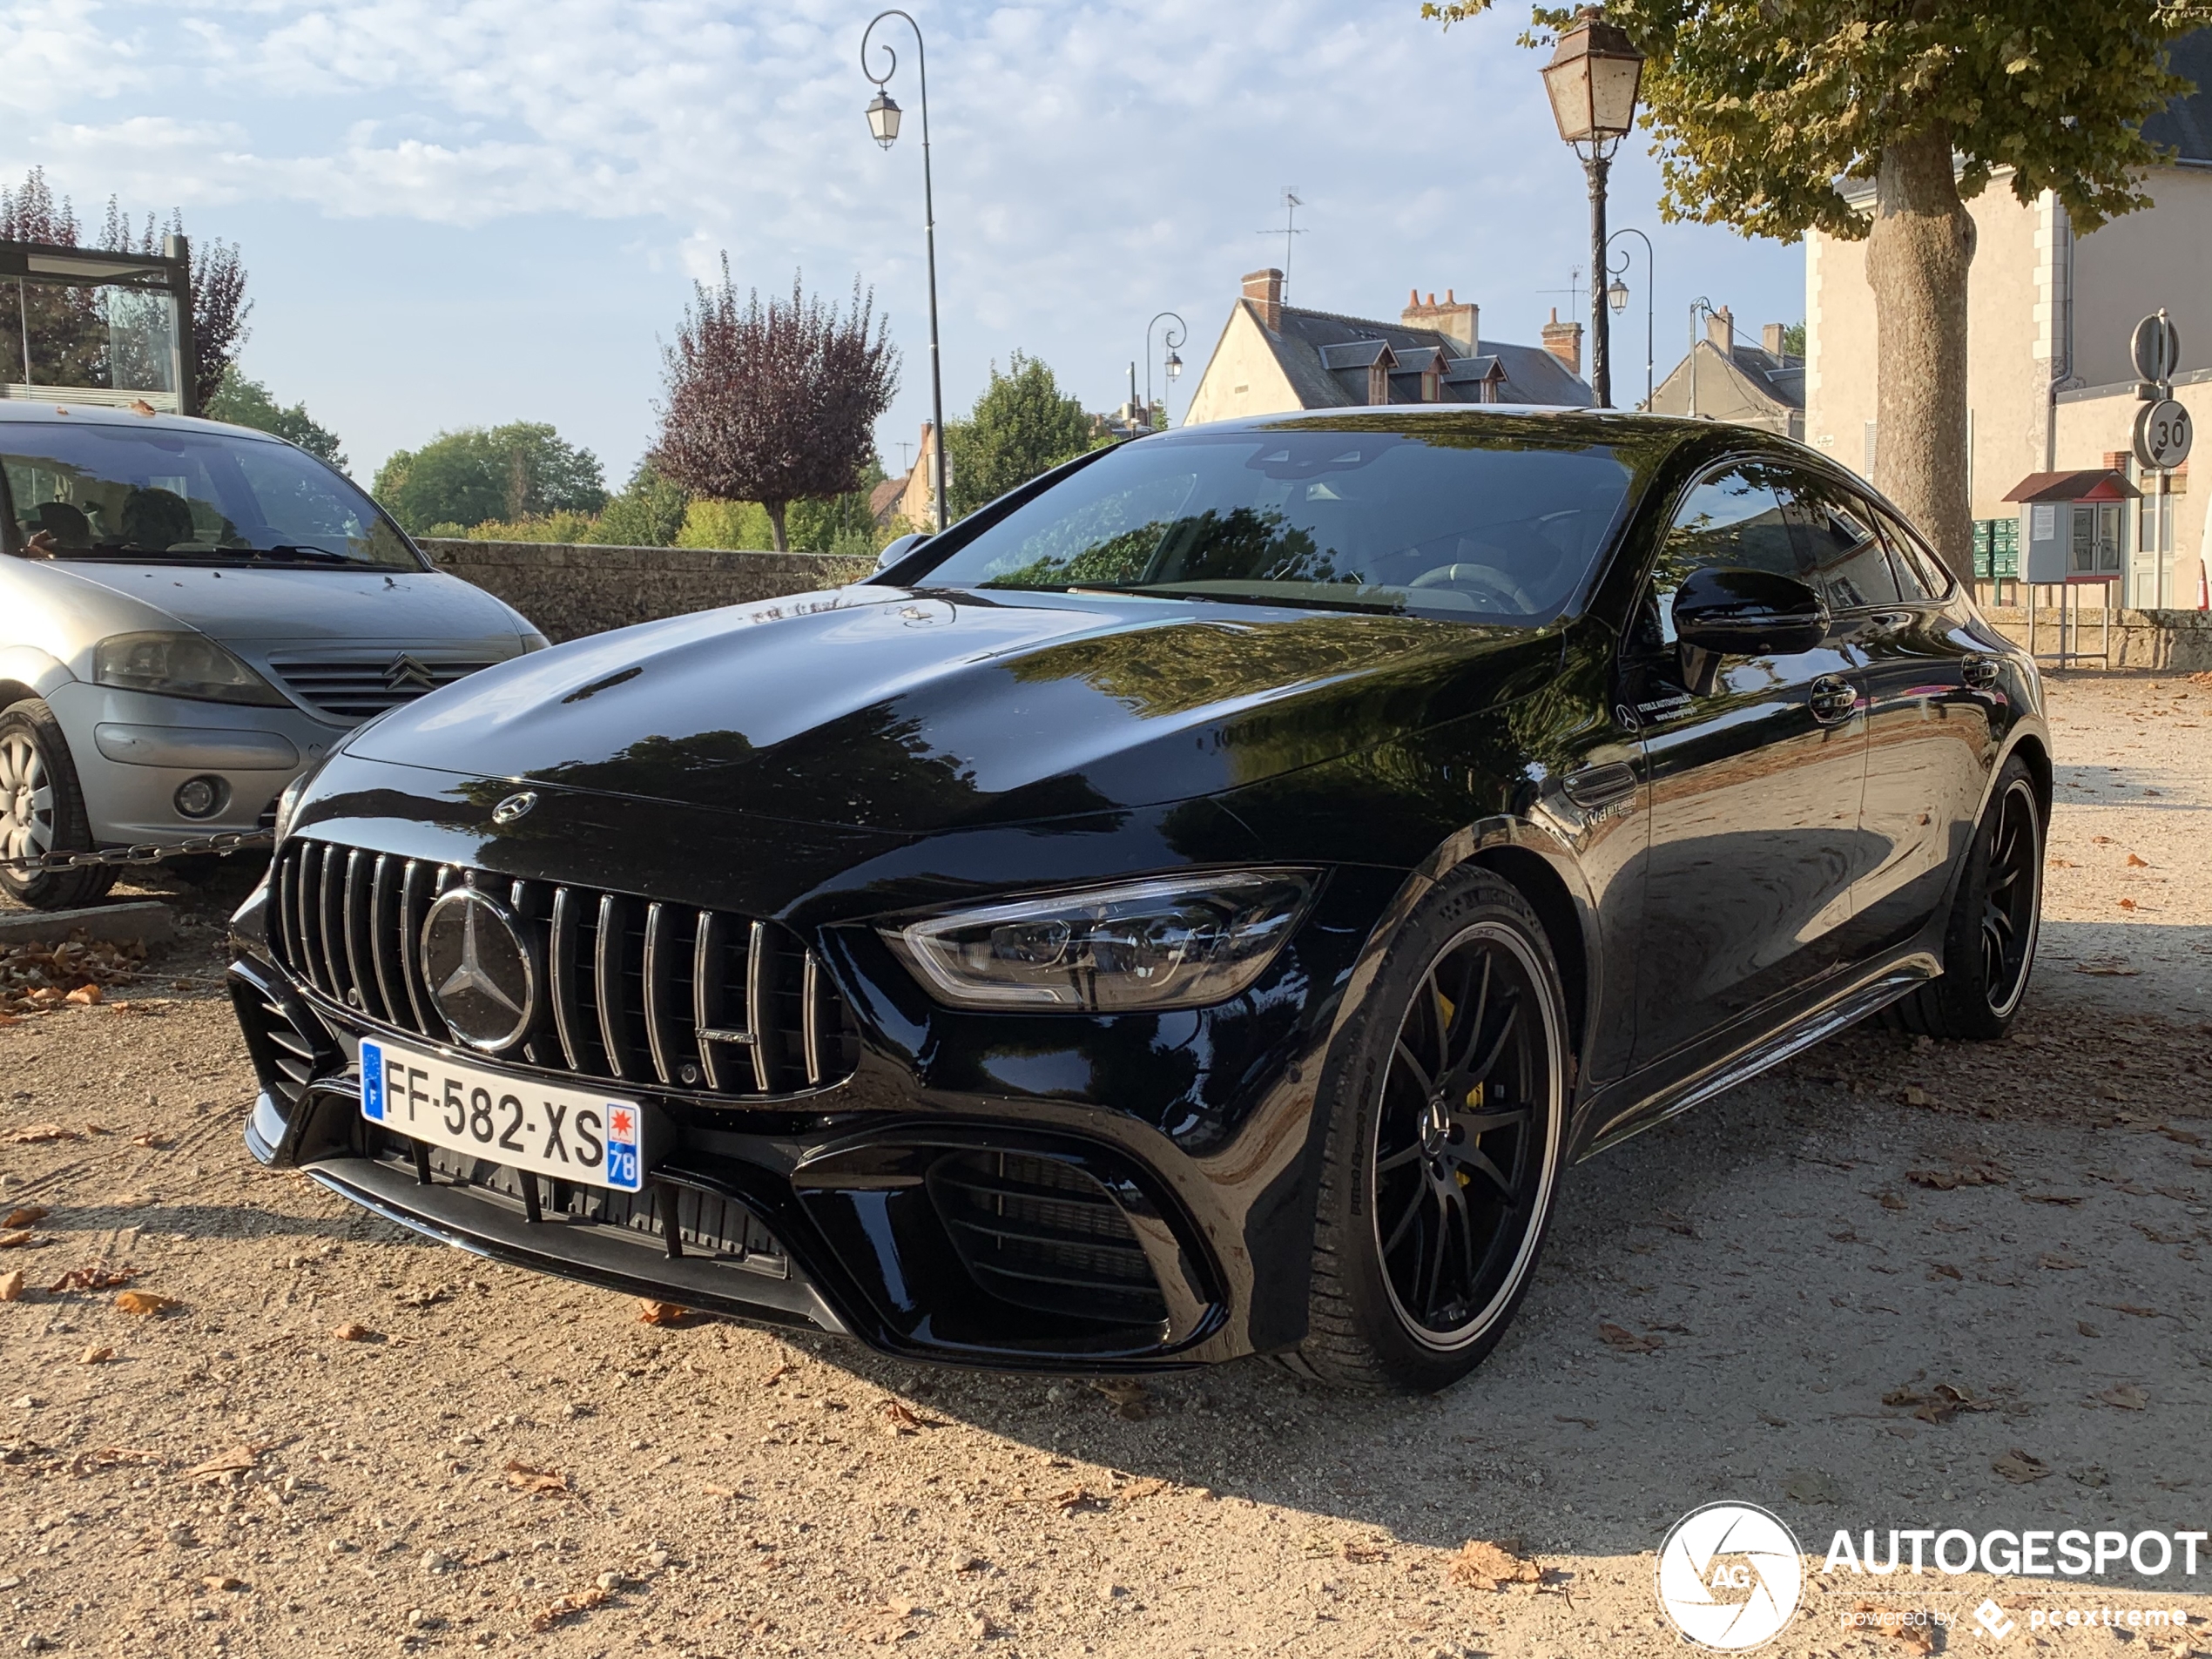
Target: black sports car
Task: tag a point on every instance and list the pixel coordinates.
(1195, 905)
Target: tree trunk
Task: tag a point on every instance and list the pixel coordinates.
(776, 524)
(1918, 251)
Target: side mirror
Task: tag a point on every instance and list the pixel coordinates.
(896, 550)
(1748, 613)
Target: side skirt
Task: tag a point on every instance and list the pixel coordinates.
(1822, 1020)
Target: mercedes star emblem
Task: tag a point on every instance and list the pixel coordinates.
(481, 964)
(514, 806)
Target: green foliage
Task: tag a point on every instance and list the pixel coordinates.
(648, 512)
(245, 402)
(518, 471)
(1021, 425)
(565, 528)
(725, 523)
(1793, 340)
(1761, 109)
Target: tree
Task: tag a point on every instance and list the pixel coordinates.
(1793, 340)
(648, 512)
(773, 403)
(1021, 425)
(1764, 109)
(68, 338)
(523, 470)
(245, 402)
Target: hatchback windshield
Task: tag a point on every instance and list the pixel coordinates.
(1499, 519)
(179, 497)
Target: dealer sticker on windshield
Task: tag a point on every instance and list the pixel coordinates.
(515, 1121)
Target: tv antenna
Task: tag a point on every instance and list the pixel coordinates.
(1573, 290)
(905, 466)
(1292, 202)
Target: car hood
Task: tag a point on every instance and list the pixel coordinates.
(407, 607)
(918, 709)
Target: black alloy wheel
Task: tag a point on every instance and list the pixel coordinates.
(1448, 1108)
(1989, 942)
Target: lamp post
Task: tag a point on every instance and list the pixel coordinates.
(1616, 296)
(883, 122)
(1592, 80)
(1172, 338)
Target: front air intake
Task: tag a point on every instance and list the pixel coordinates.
(1041, 1233)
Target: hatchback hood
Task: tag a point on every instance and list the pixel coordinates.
(407, 607)
(912, 711)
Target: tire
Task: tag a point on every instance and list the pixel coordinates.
(42, 810)
(1996, 914)
(1430, 1218)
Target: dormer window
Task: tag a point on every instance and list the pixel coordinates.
(1378, 380)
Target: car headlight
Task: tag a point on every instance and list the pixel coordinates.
(289, 803)
(179, 664)
(1172, 942)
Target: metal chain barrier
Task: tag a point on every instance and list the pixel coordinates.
(222, 845)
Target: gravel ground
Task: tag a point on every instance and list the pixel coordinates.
(343, 1441)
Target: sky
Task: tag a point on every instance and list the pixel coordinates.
(458, 213)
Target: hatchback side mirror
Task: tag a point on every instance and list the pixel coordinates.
(1748, 613)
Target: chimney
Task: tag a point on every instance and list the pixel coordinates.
(1770, 337)
(1720, 328)
(1455, 321)
(1564, 341)
(1264, 290)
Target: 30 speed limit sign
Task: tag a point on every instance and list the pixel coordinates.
(2163, 434)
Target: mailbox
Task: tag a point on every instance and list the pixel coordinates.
(2073, 525)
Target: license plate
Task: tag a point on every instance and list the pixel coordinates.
(515, 1121)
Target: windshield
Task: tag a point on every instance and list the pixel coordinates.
(186, 497)
(1495, 519)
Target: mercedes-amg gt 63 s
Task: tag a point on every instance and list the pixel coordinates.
(1195, 906)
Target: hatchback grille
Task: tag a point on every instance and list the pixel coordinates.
(635, 991)
(1041, 1233)
(353, 688)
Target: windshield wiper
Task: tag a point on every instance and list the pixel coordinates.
(297, 550)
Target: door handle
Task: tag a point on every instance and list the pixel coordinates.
(1832, 698)
(1592, 788)
(1979, 671)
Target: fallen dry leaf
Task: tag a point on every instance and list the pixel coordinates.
(37, 1134)
(651, 1312)
(564, 1608)
(96, 1356)
(714, 1491)
(157, 1141)
(2127, 904)
(1974, 1174)
(898, 1419)
(2135, 863)
(2127, 1396)
(222, 1582)
(84, 996)
(91, 1278)
(17, 1240)
(1481, 1565)
(1915, 1631)
(1073, 1499)
(2019, 1467)
(1937, 1404)
(1891, 1200)
(2087, 1330)
(1627, 1341)
(2135, 1310)
(29, 1215)
(1363, 1552)
(11, 1286)
(524, 1478)
(2055, 1261)
(237, 1460)
(351, 1333)
(2052, 1198)
(2187, 1137)
(145, 1302)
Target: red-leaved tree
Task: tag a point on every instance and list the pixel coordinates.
(67, 339)
(776, 402)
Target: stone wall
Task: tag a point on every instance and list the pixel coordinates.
(571, 591)
(2169, 641)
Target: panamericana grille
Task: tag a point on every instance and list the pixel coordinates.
(1040, 1233)
(286, 1056)
(634, 990)
(353, 688)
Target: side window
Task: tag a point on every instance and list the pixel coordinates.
(1850, 566)
(1732, 520)
(1921, 575)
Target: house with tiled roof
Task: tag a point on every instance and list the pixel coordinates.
(1725, 378)
(1273, 358)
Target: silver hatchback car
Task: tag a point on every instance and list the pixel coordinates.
(190, 614)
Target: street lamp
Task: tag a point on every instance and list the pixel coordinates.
(1592, 80)
(1171, 338)
(883, 123)
(1617, 297)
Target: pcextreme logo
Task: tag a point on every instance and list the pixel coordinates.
(1729, 1576)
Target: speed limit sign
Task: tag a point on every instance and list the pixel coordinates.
(2162, 434)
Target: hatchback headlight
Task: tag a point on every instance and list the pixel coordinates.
(1174, 942)
(179, 664)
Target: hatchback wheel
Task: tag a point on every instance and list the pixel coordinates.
(1447, 1118)
(1989, 945)
(42, 810)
